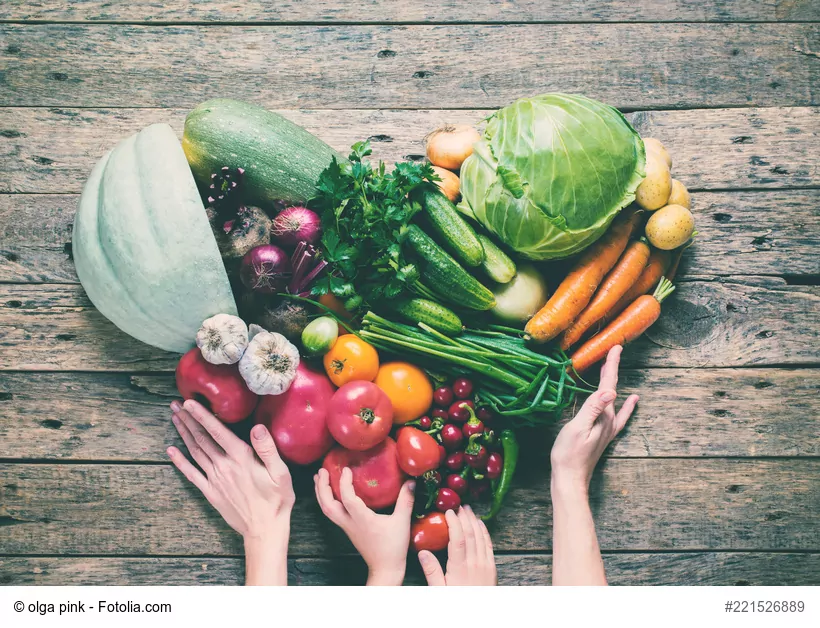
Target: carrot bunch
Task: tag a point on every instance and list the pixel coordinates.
(607, 292)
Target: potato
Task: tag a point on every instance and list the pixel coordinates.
(670, 227)
(653, 192)
(654, 146)
(679, 195)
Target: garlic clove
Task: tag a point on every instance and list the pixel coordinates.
(255, 329)
(269, 364)
(222, 339)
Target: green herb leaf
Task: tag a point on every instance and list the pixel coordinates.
(364, 211)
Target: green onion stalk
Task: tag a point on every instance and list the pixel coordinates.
(522, 385)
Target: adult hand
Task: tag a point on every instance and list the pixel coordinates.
(382, 540)
(470, 559)
(582, 441)
(252, 491)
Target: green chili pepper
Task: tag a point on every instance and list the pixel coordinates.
(510, 452)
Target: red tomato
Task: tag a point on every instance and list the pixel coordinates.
(377, 478)
(360, 415)
(418, 452)
(430, 533)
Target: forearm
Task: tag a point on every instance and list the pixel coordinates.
(385, 577)
(576, 557)
(266, 557)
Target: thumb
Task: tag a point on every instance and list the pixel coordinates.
(432, 569)
(265, 448)
(404, 503)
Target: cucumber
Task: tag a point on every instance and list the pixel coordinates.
(430, 313)
(445, 276)
(457, 234)
(497, 264)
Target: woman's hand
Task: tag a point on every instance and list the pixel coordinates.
(576, 556)
(582, 441)
(382, 540)
(470, 560)
(253, 494)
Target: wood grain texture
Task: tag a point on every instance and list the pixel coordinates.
(640, 505)
(638, 66)
(330, 11)
(633, 569)
(739, 233)
(53, 149)
(737, 321)
(703, 412)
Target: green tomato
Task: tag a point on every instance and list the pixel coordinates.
(320, 335)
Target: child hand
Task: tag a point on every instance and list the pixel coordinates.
(253, 494)
(382, 540)
(470, 559)
(582, 441)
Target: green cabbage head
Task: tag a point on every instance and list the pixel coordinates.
(551, 172)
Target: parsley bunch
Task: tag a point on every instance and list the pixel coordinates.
(365, 212)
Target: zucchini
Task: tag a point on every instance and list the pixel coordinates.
(430, 313)
(282, 161)
(445, 276)
(457, 234)
(497, 264)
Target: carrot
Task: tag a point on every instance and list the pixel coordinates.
(580, 284)
(619, 280)
(632, 322)
(656, 268)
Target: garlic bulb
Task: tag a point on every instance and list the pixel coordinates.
(269, 363)
(222, 339)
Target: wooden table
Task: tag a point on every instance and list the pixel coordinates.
(716, 480)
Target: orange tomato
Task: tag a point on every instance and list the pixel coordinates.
(351, 359)
(409, 389)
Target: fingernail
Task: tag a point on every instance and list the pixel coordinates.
(175, 419)
(412, 486)
(258, 432)
(424, 556)
(467, 508)
(608, 396)
(189, 404)
(175, 406)
(170, 452)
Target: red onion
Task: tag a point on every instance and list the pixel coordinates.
(294, 225)
(265, 269)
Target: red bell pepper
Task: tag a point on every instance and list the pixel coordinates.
(219, 387)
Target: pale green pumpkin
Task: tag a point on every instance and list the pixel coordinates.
(143, 247)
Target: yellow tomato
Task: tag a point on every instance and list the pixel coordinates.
(409, 389)
(351, 359)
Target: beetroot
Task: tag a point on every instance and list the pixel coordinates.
(237, 234)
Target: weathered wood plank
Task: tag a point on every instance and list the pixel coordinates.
(702, 412)
(638, 66)
(739, 233)
(722, 322)
(331, 11)
(684, 569)
(640, 505)
(53, 150)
